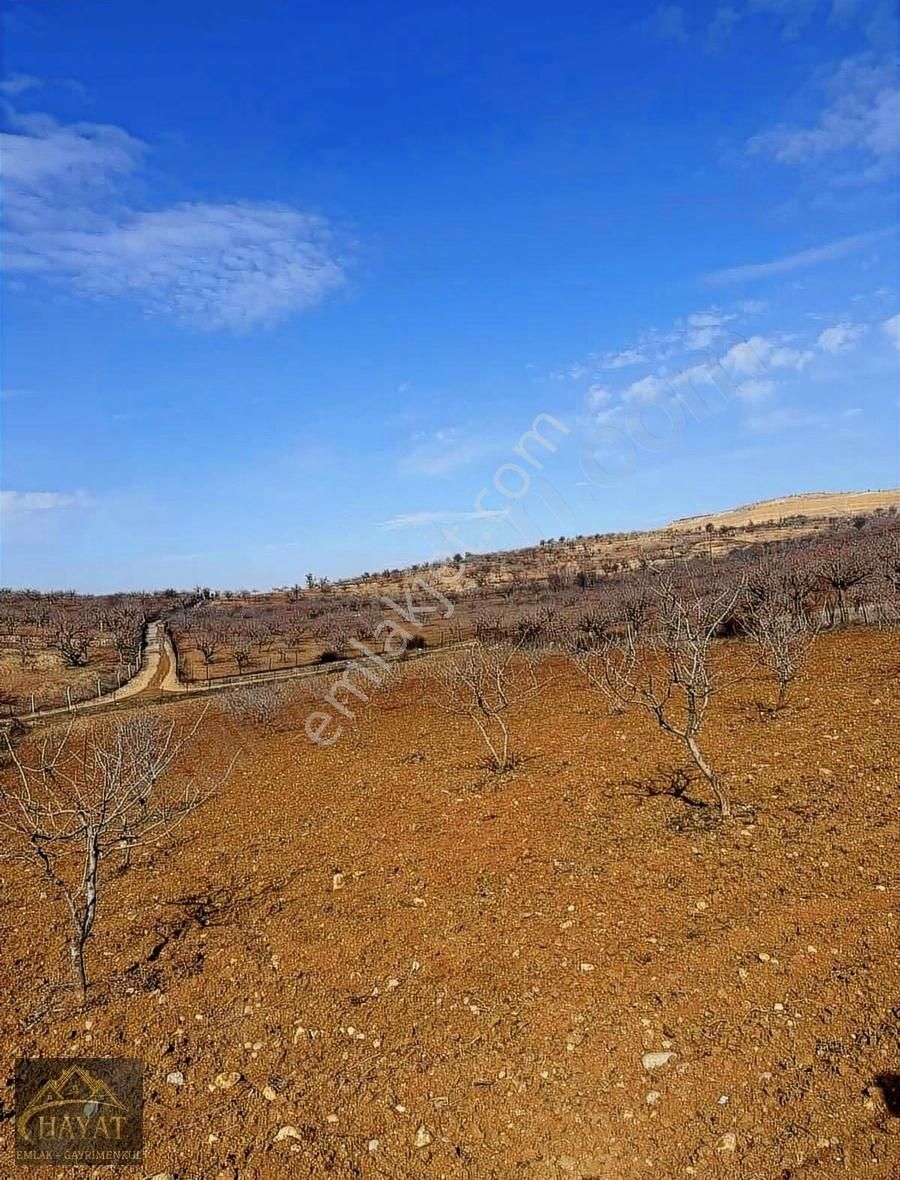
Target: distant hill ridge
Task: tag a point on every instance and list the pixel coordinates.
(809, 503)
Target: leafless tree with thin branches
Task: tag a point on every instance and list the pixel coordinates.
(484, 682)
(669, 667)
(110, 785)
(783, 639)
(71, 636)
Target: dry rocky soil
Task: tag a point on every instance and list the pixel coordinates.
(377, 960)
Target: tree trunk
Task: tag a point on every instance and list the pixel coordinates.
(715, 785)
(79, 973)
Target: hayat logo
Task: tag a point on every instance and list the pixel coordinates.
(79, 1110)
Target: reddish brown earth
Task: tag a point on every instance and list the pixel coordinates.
(502, 952)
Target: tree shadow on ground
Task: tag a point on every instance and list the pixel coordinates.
(889, 1084)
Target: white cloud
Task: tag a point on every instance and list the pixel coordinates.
(624, 359)
(704, 328)
(840, 338)
(891, 329)
(227, 266)
(598, 395)
(790, 358)
(752, 361)
(757, 389)
(419, 520)
(863, 117)
(709, 319)
(830, 252)
(443, 452)
(748, 357)
(18, 83)
(648, 389)
(19, 502)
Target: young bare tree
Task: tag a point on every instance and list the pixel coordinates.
(26, 646)
(783, 640)
(241, 650)
(671, 669)
(113, 784)
(484, 682)
(207, 643)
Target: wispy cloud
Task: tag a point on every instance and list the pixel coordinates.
(760, 353)
(17, 84)
(230, 266)
(444, 451)
(757, 389)
(16, 503)
(420, 520)
(891, 329)
(623, 359)
(841, 337)
(830, 252)
(862, 118)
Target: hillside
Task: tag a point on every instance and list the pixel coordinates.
(812, 504)
(767, 520)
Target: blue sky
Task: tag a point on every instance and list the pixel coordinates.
(284, 286)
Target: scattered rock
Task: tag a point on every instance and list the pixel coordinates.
(176, 1078)
(287, 1132)
(423, 1136)
(656, 1060)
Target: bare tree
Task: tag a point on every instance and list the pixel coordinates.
(241, 650)
(26, 645)
(672, 672)
(207, 643)
(484, 682)
(844, 565)
(71, 636)
(783, 639)
(110, 785)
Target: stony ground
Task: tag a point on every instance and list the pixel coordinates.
(375, 960)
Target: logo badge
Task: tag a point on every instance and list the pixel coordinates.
(79, 1110)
